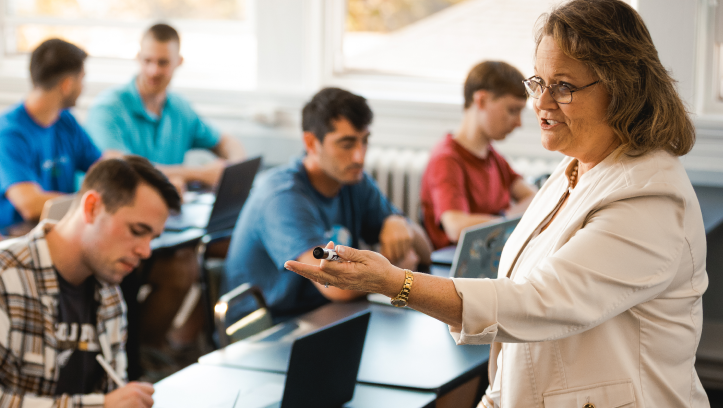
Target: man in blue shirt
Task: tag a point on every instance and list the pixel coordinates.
(143, 118)
(323, 196)
(41, 144)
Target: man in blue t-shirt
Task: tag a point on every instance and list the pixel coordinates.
(321, 197)
(41, 144)
(142, 117)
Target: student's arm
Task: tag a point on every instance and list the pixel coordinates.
(446, 178)
(454, 221)
(421, 244)
(209, 174)
(205, 137)
(134, 394)
(229, 148)
(331, 293)
(28, 199)
(398, 236)
(19, 174)
(522, 193)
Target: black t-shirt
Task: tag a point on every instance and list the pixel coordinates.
(78, 343)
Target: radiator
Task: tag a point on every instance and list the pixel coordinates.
(398, 172)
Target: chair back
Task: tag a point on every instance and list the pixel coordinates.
(55, 208)
(252, 323)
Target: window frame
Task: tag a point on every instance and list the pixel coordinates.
(709, 69)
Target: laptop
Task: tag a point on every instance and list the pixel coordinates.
(479, 249)
(321, 372)
(231, 194)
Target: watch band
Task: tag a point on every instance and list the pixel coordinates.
(403, 296)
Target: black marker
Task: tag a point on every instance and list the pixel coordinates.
(327, 254)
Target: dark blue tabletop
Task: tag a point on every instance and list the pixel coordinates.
(403, 348)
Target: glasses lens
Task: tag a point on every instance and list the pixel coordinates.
(561, 93)
(533, 88)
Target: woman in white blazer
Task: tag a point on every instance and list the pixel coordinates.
(598, 301)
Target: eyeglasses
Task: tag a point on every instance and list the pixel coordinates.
(560, 93)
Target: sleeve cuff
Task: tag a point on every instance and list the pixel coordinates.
(486, 337)
(479, 311)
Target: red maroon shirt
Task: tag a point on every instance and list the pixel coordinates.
(456, 179)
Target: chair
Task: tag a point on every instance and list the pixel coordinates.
(216, 307)
(55, 208)
(254, 322)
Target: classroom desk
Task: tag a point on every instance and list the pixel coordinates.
(168, 239)
(172, 239)
(403, 348)
(208, 386)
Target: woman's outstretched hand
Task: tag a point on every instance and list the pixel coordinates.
(364, 271)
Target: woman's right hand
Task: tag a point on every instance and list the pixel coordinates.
(364, 271)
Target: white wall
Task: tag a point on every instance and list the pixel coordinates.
(672, 24)
(676, 32)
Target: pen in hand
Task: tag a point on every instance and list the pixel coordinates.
(109, 370)
(326, 254)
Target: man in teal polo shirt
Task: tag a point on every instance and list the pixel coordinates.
(143, 118)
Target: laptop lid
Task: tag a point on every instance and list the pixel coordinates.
(324, 365)
(479, 249)
(222, 211)
(231, 194)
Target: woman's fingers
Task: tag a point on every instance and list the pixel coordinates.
(363, 270)
(349, 254)
(312, 272)
(396, 249)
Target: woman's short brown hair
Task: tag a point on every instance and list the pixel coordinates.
(497, 77)
(610, 37)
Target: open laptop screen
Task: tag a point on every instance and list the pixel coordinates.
(324, 365)
(479, 249)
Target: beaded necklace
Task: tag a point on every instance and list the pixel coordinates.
(573, 177)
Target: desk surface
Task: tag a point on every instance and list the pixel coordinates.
(432, 360)
(217, 387)
(169, 239)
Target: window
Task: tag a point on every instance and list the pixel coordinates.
(437, 39)
(709, 98)
(719, 49)
(217, 40)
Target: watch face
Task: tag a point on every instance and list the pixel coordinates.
(399, 302)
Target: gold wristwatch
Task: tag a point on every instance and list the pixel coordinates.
(403, 296)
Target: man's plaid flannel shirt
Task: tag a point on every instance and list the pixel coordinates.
(29, 294)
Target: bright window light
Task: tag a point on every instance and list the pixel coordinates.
(439, 39)
(720, 72)
(217, 41)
